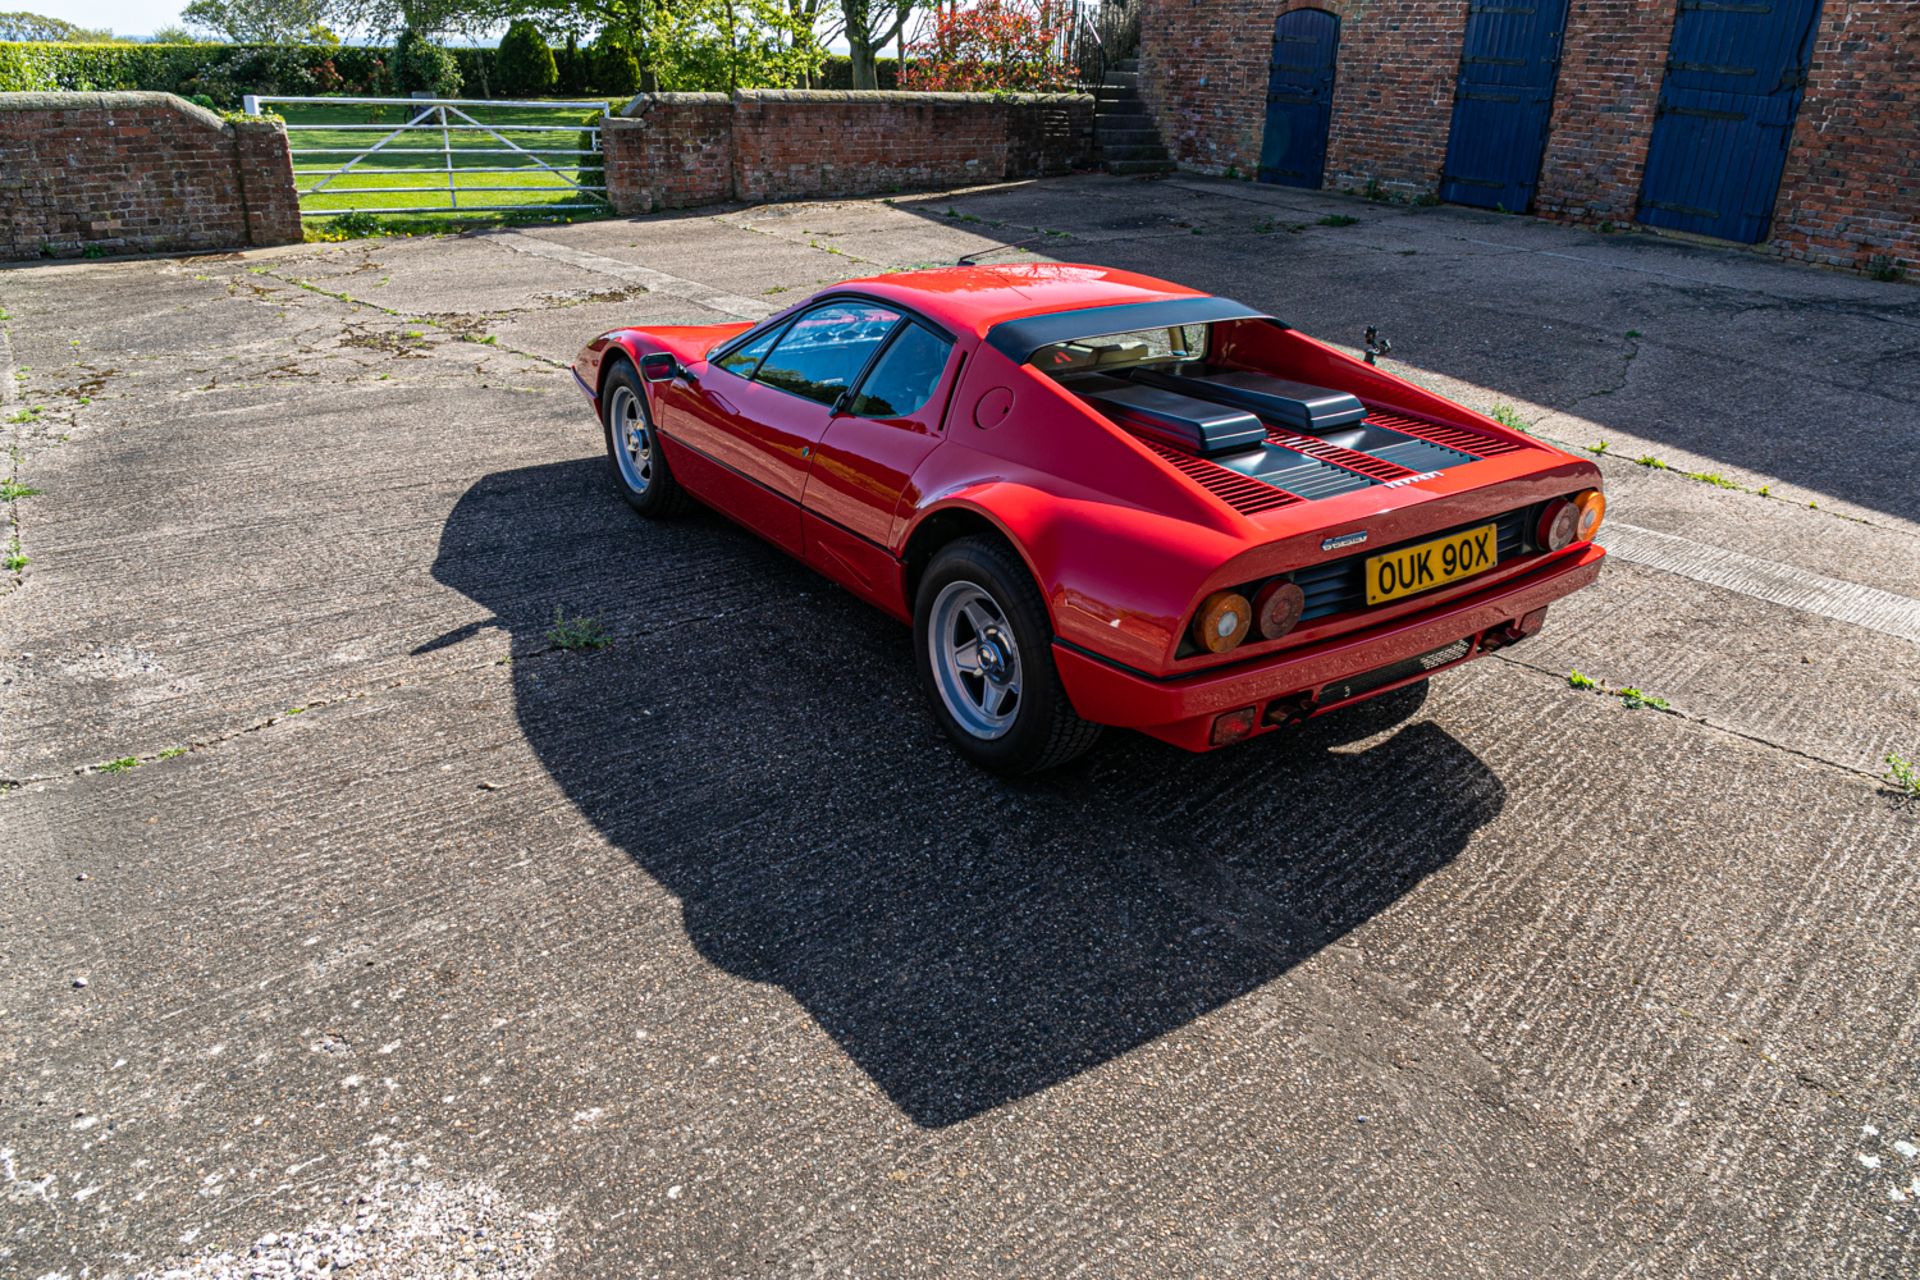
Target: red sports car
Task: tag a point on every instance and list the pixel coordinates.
(1103, 499)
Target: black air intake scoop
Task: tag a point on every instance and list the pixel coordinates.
(1295, 406)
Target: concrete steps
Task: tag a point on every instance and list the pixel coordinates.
(1122, 128)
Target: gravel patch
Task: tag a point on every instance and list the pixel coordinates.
(398, 1227)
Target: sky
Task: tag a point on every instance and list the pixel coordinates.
(123, 17)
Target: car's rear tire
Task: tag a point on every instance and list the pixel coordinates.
(984, 648)
(633, 446)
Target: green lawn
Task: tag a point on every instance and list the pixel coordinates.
(416, 164)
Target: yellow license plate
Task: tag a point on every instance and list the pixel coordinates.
(1411, 570)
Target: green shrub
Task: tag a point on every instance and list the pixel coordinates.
(615, 71)
(220, 72)
(421, 66)
(525, 62)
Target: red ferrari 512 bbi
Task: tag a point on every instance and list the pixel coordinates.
(1103, 499)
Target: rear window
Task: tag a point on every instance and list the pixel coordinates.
(904, 379)
(1122, 350)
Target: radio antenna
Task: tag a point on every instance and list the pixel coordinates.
(967, 261)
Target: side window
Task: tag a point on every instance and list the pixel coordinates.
(823, 351)
(905, 376)
(743, 360)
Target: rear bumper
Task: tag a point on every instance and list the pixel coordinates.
(1288, 686)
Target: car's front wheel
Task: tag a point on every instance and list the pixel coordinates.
(633, 446)
(985, 652)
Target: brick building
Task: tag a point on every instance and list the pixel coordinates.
(1792, 124)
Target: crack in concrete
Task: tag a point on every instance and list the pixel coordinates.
(1838, 766)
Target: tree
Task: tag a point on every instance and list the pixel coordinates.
(34, 26)
(570, 68)
(869, 25)
(258, 21)
(526, 63)
(997, 44)
(615, 71)
(423, 66)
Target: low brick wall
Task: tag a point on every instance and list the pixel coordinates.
(138, 173)
(672, 150)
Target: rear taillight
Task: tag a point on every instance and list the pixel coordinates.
(1559, 525)
(1277, 607)
(1593, 509)
(1223, 622)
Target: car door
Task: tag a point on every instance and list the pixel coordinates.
(766, 402)
(857, 495)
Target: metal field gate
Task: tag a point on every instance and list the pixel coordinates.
(1508, 64)
(1293, 150)
(1736, 71)
(344, 154)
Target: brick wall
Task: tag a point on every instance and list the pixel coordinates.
(1612, 59)
(136, 173)
(1204, 64)
(1851, 190)
(669, 151)
(676, 150)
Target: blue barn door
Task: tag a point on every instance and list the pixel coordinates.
(1735, 73)
(1293, 151)
(1508, 63)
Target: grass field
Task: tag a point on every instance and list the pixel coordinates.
(480, 175)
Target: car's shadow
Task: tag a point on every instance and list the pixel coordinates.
(755, 740)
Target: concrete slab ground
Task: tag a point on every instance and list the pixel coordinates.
(337, 906)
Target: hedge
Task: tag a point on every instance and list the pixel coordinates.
(224, 72)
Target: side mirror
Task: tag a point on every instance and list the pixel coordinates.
(660, 367)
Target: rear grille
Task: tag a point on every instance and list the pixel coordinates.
(1365, 463)
(1368, 681)
(1339, 585)
(1244, 494)
(1473, 442)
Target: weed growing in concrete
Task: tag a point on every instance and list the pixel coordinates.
(1765, 491)
(1507, 416)
(1263, 227)
(576, 633)
(1629, 696)
(1648, 460)
(1597, 449)
(14, 559)
(122, 765)
(28, 414)
(1883, 267)
(1338, 220)
(1903, 775)
(13, 491)
(171, 752)
(1713, 478)
(486, 341)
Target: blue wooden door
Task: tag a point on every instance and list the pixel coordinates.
(1293, 150)
(1508, 63)
(1735, 73)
